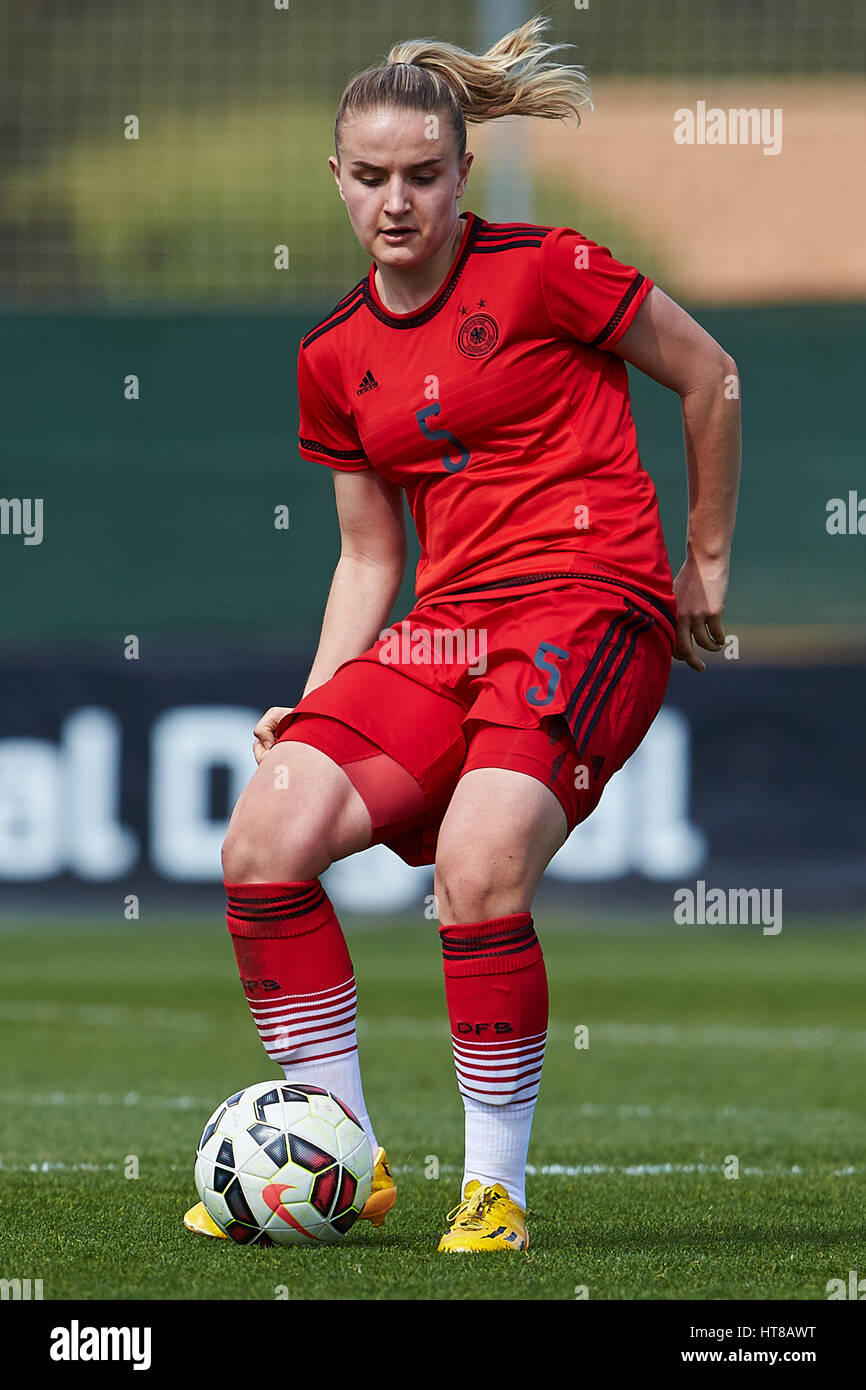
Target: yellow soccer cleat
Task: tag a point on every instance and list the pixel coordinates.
(486, 1219)
(383, 1195)
(198, 1221)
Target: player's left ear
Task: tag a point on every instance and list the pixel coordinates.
(464, 167)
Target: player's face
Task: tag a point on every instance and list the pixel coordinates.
(400, 177)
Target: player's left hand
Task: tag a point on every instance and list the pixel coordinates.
(700, 589)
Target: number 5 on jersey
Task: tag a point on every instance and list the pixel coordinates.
(450, 464)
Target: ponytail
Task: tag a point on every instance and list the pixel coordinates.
(515, 77)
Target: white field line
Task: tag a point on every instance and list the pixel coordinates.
(102, 1015)
(593, 1110)
(715, 1036)
(721, 1035)
(34, 1099)
(633, 1170)
(545, 1170)
(48, 1166)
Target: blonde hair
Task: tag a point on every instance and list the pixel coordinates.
(513, 78)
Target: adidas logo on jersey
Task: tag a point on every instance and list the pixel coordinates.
(369, 383)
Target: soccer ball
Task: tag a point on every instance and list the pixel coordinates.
(283, 1164)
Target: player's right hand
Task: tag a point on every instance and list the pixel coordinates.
(263, 733)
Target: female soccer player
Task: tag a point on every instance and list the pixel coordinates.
(480, 368)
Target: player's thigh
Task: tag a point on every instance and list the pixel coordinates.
(498, 835)
(300, 809)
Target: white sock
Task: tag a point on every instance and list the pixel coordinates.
(497, 1143)
(342, 1077)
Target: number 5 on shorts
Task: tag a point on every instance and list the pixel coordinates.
(541, 659)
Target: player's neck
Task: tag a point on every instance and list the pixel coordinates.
(404, 291)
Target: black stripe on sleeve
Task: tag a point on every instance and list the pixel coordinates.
(618, 313)
(350, 455)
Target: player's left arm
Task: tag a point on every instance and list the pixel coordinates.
(670, 346)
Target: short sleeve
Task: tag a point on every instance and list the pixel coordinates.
(326, 430)
(589, 295)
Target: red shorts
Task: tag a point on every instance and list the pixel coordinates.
(561, 685)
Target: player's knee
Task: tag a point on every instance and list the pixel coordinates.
(471, 890)
(241, 859)
(294, 851)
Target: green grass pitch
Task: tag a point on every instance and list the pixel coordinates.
(704, 1043)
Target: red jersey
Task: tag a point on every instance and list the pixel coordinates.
(498, 408)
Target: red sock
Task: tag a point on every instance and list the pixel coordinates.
(295, 969)
(496, 990)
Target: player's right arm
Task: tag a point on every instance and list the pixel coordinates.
(366, 581)
(369, 571)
